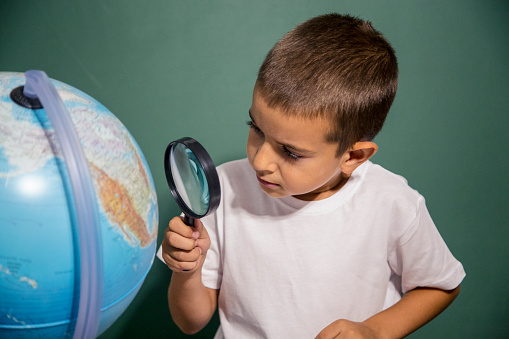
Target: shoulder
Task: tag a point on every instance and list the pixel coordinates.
(235, 171)
(380, 181)
(386, 191)
(376, 172)
(234, 166)
(235, 174)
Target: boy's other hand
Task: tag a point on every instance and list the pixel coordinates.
(185, 247)
(348, 330)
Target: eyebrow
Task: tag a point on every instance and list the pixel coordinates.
(301, 151)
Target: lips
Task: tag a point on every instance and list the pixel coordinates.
(266, 183)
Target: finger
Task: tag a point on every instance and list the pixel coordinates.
(177, 225)
(180, 242)
(187, 266)
(198, 225)
(183, 260)
(203, 239)
(185, 256)
(180, 266)
(331, 331)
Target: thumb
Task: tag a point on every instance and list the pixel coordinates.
(203, 240)
(198, 227)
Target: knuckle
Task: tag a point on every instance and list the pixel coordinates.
(187, 256)
(192, 256)
(172, 238)
(181, 256)
(170, 262)
(173, 223)
(177, 225)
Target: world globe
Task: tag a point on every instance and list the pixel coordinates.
(41, 263)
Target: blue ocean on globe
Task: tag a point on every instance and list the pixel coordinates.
(39, 288)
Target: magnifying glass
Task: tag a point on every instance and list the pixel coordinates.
(192, 178)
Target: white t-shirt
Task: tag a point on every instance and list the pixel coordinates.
(287, 268)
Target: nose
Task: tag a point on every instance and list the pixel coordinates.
(264, 159)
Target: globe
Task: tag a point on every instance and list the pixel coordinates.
(39, 257)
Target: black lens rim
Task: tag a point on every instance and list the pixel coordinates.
(209, 169)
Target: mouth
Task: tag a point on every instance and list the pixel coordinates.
(266, 183)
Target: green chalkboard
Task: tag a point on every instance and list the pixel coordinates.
(174, 68)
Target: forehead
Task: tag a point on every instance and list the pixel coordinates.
(287, 128)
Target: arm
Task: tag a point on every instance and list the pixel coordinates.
(415, 309)
(184, 249)
(191, 304)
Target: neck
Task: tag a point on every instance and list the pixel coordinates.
(326, 191)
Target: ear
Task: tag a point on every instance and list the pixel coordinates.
(357, 155)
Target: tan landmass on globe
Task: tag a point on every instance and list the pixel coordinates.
(141, 169)
(119, 207)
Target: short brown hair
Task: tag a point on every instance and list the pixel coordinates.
(333, 66)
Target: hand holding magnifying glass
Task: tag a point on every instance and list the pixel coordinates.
(192, 178)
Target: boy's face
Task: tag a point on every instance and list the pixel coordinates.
(291, 156)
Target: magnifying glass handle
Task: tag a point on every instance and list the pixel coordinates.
(189, 221)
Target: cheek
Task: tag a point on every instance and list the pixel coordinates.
(296, 178)
(250, 147)
(253, 144)
(309, 178)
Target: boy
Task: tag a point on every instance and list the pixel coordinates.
(311, 239)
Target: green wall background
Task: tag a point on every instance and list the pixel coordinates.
(174, 68)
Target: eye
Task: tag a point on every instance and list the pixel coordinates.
(290, 155)
(254, 127)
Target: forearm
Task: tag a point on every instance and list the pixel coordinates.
(191, 303)
(415, 309)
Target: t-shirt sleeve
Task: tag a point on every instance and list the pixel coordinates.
(422, 259)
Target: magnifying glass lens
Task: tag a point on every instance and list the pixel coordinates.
(189, 178)
(192, 178)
